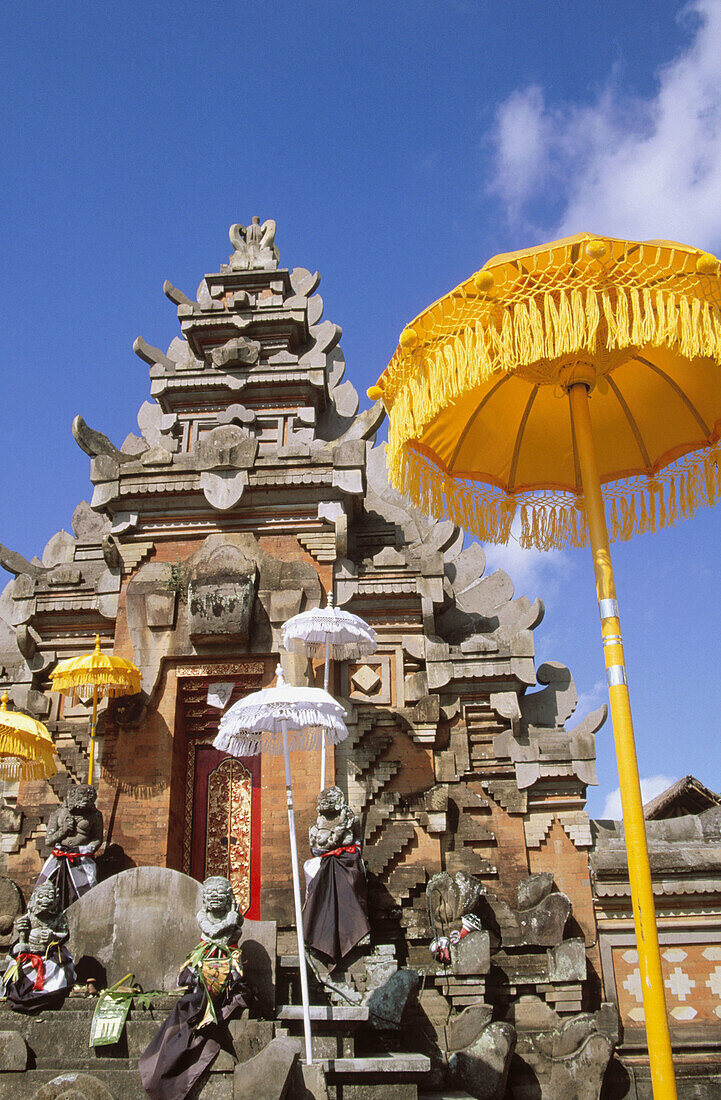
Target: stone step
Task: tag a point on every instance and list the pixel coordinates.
(61, 1038)
(326, 1017)
(392, 841)
(378, 1065)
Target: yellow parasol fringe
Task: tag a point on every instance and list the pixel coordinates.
(550, 522)
(15, 743)
(12, 769)
(567, 326)
(107, 683)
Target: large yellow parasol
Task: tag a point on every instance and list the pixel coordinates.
(106, 675)
(554, 386)
(26, 747)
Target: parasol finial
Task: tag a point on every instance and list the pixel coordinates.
(97, 643)
(329, 597)
(280, 678)
(4, 701)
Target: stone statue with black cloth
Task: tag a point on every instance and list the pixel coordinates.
(335, 914)
(189, 1040)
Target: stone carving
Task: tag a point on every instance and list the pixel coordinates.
(458, 936)
(335, 826)
(335, 913)
(450, 898)
(221, 606)
(237, 352)
(77, 823)
(73, 1086)
(254, 245)
(482, 1067)
(227, 447)
(44, 923)
(16, 564)
(539, 918)
(40, 971)
(219, 918)
(570, 1061)
(94, 443)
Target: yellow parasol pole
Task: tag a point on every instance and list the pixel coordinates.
(92, 736)
(639, 871)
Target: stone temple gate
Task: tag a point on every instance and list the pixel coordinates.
(253, 487)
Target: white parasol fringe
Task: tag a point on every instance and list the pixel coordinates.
(340, 651)
(345, 634)
(251, 744)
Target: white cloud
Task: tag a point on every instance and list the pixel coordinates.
(623, 164)
(530, 570)
(650, 787)
(591, 700)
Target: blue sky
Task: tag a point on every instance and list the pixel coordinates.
(398, 146)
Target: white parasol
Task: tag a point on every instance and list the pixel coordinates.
(332, 632)
(275, 720)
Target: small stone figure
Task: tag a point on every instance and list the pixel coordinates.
(335, 915)
(219, 919)
(41, 971)
(187, 1043)
(75, 832)
(336, 826)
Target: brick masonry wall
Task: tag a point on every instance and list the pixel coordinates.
(509, 855)
(143, 785)
(570, 869)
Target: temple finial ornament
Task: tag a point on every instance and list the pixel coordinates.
(254, 246)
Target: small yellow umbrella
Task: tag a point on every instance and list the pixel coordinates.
(556, 383)
(108, 676)
(26, 747)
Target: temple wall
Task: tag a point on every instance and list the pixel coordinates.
(255, 479)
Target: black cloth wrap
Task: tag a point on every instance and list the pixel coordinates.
(335, 914)
(178, 1054)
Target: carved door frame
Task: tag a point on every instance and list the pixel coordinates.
(199, 725)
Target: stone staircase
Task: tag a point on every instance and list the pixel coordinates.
(56, 1045)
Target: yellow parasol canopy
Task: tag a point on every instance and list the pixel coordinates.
(26, 747)
(479, 430)
(108, 676)
(562, 383)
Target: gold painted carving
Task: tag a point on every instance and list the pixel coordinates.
(228, 827)
(232, 668)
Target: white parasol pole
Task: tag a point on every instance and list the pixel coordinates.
(296, 898)
(326, 678)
